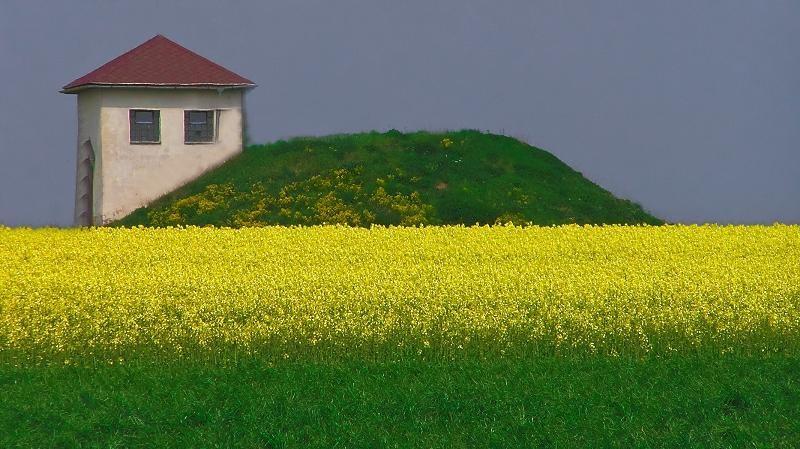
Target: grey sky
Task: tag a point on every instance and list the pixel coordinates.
(689, 107)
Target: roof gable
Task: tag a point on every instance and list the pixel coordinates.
(159, 62)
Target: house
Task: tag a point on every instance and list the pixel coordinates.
(149, 121)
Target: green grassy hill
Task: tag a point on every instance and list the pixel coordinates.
(462, 177)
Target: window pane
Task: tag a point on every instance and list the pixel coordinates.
(144, 117)
(144, 126)
(198, 117)
(198, 126)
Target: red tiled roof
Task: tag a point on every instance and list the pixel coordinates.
(159, 62)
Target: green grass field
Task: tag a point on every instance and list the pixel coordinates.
(459, 177)
(719, 402)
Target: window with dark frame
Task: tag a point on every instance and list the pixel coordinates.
(145, 126)
(198, 126)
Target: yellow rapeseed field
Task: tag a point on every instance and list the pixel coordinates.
(331, 292)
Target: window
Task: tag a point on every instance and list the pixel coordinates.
(145, 126)
(198, 126)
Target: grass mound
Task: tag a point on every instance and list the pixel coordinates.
(462, 177)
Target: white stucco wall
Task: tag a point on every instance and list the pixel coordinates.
(88, 130)
(129, 176)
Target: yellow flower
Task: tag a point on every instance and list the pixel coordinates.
(328, 292)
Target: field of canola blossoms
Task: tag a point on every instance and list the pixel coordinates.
(108, 295)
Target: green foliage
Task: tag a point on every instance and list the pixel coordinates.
(720, 402)
(334, 196)
(461, 177)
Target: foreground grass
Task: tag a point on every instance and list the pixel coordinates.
(685, 402)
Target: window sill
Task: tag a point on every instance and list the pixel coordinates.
(199, 143)
(146, 143)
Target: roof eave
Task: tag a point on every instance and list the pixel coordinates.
(78, 88)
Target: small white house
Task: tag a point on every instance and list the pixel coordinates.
(150, 121)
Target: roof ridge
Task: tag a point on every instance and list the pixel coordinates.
(190, 51)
